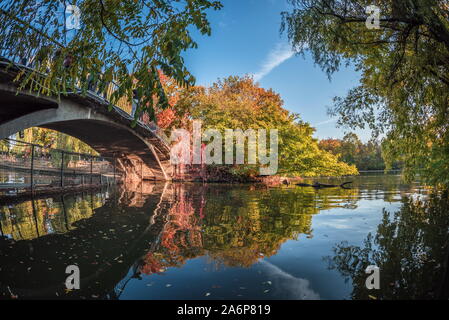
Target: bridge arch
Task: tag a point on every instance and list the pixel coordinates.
(140, 153)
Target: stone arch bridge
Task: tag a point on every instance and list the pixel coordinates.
(140, 152)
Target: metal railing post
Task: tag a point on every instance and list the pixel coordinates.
(32, 168)
(91, 170)
(62, 169)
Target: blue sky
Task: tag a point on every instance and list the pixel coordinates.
(246, 40)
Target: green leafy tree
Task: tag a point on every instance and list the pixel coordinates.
(350, 149)
(239, 103)
(122, 41)
(404, 66)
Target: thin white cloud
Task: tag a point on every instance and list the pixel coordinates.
(325, 122)
(281, 53)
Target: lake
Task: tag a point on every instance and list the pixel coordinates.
(218, 241)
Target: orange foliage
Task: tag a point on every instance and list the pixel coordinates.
(165, 118)
(151, 264)
(330, 144)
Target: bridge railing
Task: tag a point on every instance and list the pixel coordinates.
(122, 106)
(28, 167)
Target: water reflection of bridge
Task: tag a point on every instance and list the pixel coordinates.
(39, 238)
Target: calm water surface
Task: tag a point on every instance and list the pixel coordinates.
(193, 241)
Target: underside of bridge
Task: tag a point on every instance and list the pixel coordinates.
(134, 157)
(139, 153)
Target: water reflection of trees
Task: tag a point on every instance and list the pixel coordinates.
(411, 249)
(240, 225)
(38, 217)
(232, 225)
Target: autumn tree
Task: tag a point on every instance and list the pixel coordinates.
(350, 149)
(404, 66)
(239, 103)
(165, 117)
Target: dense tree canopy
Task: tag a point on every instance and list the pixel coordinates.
(365, 156)
(239, 103)
(48, 139)
(404, 65)
(122, 41)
